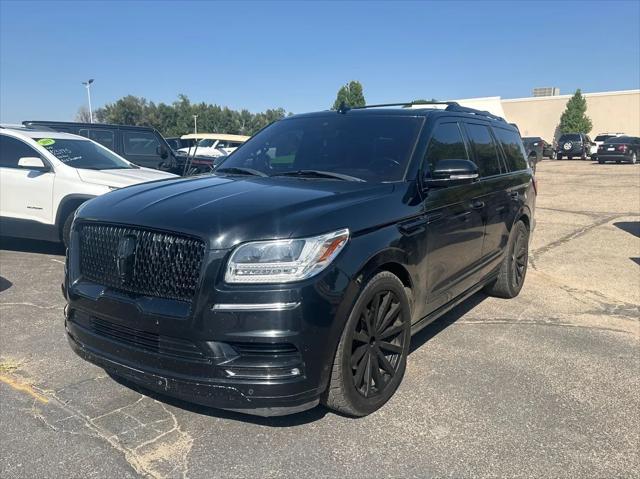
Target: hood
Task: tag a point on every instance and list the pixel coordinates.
(122, 177)
(225, 211)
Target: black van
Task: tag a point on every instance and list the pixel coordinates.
(297, 272)
(141, 145)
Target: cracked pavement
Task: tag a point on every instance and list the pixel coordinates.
(546, 385)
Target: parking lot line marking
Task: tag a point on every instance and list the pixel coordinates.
(23, 387)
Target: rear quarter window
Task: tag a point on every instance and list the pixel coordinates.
(513, 150)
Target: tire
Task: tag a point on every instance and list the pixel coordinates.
(513, 270)
(553, 156)
(558, 156)
(366, 370)
(66, 229)
(570, 157)
(601, 162)
(634, 158)
(584, 156)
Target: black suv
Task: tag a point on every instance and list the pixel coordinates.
(297, 272)
(571, 145)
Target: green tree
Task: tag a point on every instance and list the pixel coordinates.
(350, 94)
(575, 119)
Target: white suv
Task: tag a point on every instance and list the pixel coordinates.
(46, 175)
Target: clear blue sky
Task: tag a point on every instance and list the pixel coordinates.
(296, 55)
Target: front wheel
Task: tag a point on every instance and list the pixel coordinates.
(514, 265)
(634, 158)
(371, 356)
(66, 229)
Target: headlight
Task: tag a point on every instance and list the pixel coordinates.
(284, 261)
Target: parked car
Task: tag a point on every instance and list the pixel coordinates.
(141, 145)
(572, 145)
(45, 176)
(297, 272)
(599, 140)
(176, 142)
(541, 148)
(213, 144)
(619, 149)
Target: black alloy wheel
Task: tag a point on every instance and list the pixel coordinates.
(371, 356)
(377, 345)
(519, 259)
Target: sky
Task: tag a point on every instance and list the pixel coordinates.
(295, 55)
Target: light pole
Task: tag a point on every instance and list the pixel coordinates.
(87, 85)
(195, 124)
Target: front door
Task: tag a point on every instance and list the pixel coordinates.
(25, 195)
(455, 226)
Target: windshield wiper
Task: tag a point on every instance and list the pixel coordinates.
(319, 174)
(240, 171)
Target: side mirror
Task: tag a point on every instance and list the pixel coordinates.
(32, 163)
(162, 152)
(452, 172)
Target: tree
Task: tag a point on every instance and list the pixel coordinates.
(350, 94)
(177, 118)
(574, 118)
(83, 115)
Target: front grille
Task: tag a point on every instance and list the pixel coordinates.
(154, 343)
(161, 264)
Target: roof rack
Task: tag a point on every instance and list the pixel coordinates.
(463, 109)
(451, 106)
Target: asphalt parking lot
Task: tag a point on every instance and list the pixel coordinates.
(546, 385)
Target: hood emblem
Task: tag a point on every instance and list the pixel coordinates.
(125, 256)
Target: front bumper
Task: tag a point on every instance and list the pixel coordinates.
(266, 361)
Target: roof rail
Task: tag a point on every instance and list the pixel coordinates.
(473, 111)
(405, 104)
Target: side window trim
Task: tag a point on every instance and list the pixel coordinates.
(495, 146)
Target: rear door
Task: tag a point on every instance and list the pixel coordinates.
(105, 136)
(493, 192)
(513, 187)
(454, 223)
(141, 147)
(25, 194)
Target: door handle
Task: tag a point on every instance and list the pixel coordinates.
(413, 227)
(476, 205)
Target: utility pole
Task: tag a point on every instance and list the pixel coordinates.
(87, 85)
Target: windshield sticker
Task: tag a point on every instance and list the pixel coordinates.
(46, 141)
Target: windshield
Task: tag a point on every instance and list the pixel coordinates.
(207, 143)
(570, 137)
(373, 148)
(620, 139)
(83, 154)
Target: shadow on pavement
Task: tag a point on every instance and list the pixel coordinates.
(4, 284)
(631, 227)
(31, 246)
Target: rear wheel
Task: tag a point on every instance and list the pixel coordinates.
(372, 353)
(634, 158)
(514, 265)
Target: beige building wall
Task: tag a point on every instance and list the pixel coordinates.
(609, 111)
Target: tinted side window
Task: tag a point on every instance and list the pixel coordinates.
(11, 150)
(104, 137)
(486, 155)
(446, 144)
(140, 143)
(513, 150)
